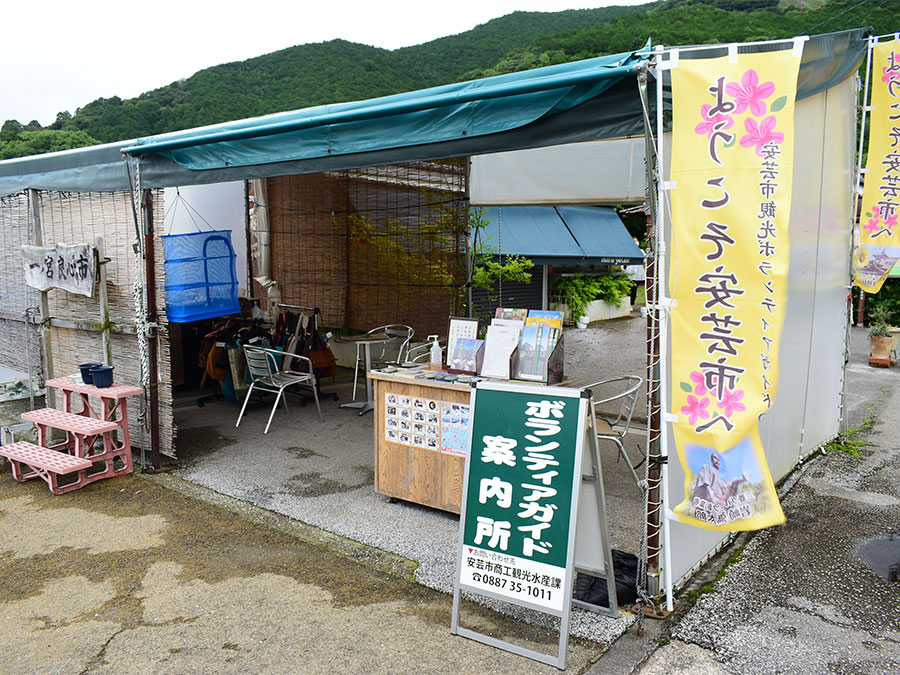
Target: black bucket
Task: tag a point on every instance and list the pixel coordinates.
(102, 376)
(86, 372)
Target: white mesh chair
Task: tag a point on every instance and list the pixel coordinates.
(622, 392)
(390, 351)
(274, 371)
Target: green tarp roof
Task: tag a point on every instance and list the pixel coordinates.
(585, 100)
(439, 114)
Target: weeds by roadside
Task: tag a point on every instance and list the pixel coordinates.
(711, 586)
(853, 442)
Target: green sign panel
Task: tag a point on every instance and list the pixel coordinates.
(518, 513)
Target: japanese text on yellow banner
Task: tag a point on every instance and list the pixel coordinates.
(732, 165)
(879, 236)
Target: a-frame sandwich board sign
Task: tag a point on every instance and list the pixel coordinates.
(593, 552)
(520, 504)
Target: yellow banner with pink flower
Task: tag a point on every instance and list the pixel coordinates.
(879, 236)
(732, 166)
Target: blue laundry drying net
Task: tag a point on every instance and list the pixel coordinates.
(200, 278)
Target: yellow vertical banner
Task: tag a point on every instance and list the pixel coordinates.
(732, 166)
(879, 236)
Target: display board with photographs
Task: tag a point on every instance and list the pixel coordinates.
(426, 423)
(455, 420)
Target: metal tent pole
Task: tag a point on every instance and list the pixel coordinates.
(152, 337)
(662, 309)
(856, 201)
(651, 526)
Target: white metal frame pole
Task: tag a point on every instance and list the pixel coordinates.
(662, 310)
(49, 372)
(854, 228)
(862, 123)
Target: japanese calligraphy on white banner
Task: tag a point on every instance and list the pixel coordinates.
(66, 266)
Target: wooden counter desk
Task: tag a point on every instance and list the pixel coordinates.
(421, 434)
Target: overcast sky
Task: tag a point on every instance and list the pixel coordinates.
(61, 54)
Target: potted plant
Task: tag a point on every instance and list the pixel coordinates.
(880, 345)
(882, 314)
(580, 291)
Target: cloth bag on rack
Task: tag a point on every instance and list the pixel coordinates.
(318, 351)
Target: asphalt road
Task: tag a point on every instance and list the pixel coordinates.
(820, 594)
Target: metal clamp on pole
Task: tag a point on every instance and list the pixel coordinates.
(663, 306)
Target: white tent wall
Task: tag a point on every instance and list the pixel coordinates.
(219, 206)
(833, 242)
(807, 409)
(15, 296)
(594, 172)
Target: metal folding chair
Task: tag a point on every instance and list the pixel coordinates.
(274, 371)
(613, 428)
(421, 353)
(397, 336)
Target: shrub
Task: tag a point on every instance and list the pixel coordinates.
(580, 289)
(884, 306)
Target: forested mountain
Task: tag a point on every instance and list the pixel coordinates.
(687, 22)
(293, 78)
(336, 71)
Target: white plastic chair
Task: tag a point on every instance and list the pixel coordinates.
(274, 371)
(399, 336)
(613, 428)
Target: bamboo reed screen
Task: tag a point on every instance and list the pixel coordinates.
(373, 246)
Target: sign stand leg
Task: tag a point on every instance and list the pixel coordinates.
(594, 514)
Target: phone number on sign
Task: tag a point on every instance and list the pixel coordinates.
(512, 586)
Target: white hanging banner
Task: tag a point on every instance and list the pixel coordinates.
(573, 173)
(66, 266)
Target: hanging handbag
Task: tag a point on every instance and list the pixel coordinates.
(316, 349)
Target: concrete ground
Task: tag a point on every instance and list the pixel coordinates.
(323, 474)
(131, 575)
(258, 553)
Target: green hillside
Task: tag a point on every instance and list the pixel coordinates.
(303, 76)
(686, 22)
(336, 71)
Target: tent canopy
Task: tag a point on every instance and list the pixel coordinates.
(561, 235)
(567, 103)
(466, 109)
